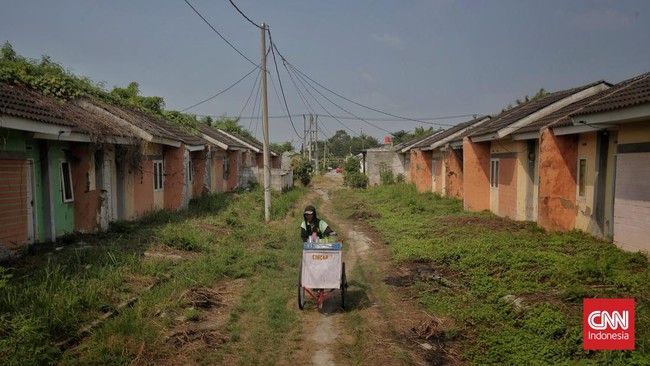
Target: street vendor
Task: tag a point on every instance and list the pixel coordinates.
(312, 224)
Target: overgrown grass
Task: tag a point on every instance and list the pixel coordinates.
(486, 258)
(51, 296)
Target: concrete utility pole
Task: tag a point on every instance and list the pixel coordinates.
(265, 127)
(316, 144)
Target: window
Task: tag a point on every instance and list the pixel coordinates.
(582, 177)
(157, 175)
(66, 182)
(190, 171)
(494, 173)
(226, 167)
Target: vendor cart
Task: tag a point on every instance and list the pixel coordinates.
(322, 271)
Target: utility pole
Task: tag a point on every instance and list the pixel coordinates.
(316, 144)
(265, 127)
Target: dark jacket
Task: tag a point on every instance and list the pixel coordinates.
(317, 225)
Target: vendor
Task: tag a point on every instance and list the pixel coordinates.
(312, 224)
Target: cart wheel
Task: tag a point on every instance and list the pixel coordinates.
(301, 290)
(344, 285)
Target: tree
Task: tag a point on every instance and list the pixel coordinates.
(231, 125)
(131, 96)
(280, 148)
(399, 136)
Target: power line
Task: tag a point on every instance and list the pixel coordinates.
(221, 92)
(244, 15)
(219, 34)
(280, 81)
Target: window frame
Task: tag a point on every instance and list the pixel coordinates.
(190, 171)
(158, 175)
(66, 178)
(494, 173)
(581, 181)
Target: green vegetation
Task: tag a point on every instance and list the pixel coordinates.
(512, 291)
(141, 275)
(352, 176)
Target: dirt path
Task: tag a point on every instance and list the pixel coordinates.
(390, 316)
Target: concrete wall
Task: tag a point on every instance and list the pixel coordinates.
(438, 173)
(558, 159)
(453, 173)
(476, 174)
(420, 170)
(375, 158)
(199, 160)
(585, 219)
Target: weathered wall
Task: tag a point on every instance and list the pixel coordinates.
(199, 161)
(476, 174)
(558, 161)
(453, 173)
(174, 177)
(143, 193)
(234, 157)
(507, 188)
(585, 214)
(87, 198)
(420, 174)
(393, 160)
(438, 176)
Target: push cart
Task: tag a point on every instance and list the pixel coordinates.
(322, 271)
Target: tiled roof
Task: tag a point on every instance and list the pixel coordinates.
(448, 132)
(631, 92)
(19, 101)
(416, 141)
(522, 111)
(220, 136)
(561, 117)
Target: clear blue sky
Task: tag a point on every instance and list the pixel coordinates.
(412, 58)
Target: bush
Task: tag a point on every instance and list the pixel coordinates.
(356, 180)
(386, 174)
(302, 169)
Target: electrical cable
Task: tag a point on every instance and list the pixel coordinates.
(221, 92)
(219, 34)
(244, 15)
(249, 96)
(280, 81)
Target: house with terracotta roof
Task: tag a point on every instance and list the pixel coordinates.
(501, 174)
(620, 133)
(225, 160)
(50, 181)
(435, 165)
(164, 172)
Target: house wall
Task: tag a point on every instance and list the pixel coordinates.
(218, 184)
(13, 205)
(438, 178)
(420, 174)
(63, 212)
(558, 159)
(608, 227)
(174, 177)
(396, 162)
(142, 197)
(453, 173)
(509, 199)
(87, 198)
(476, 174)
(585, 215)
(234, 158)
(199, 160)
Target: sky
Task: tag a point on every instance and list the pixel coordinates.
(355, 63)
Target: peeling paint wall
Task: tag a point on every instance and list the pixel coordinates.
(438, 173)
(174, 177)
(476, 174)
(453, 173)
(585, 214)
(420, 168)
(558, 161)
(87, 198)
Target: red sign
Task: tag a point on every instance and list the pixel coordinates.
(608, 324)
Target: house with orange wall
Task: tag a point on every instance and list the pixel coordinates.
(501, 174)
(436, 166)
(620, 122)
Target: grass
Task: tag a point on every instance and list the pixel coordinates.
(48, 297)
(487, 258)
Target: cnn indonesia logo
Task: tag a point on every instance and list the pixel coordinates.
(608, 324)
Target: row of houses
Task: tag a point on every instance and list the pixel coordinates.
(573, 159)
(77, 166)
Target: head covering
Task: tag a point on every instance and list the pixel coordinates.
(310, 210)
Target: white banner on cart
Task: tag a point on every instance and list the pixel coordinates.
(321, 269)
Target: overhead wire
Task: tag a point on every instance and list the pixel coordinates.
(244, 15)
(219, 34)
(221, 92)
(280, 81)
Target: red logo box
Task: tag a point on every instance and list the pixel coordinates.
(608, 324)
